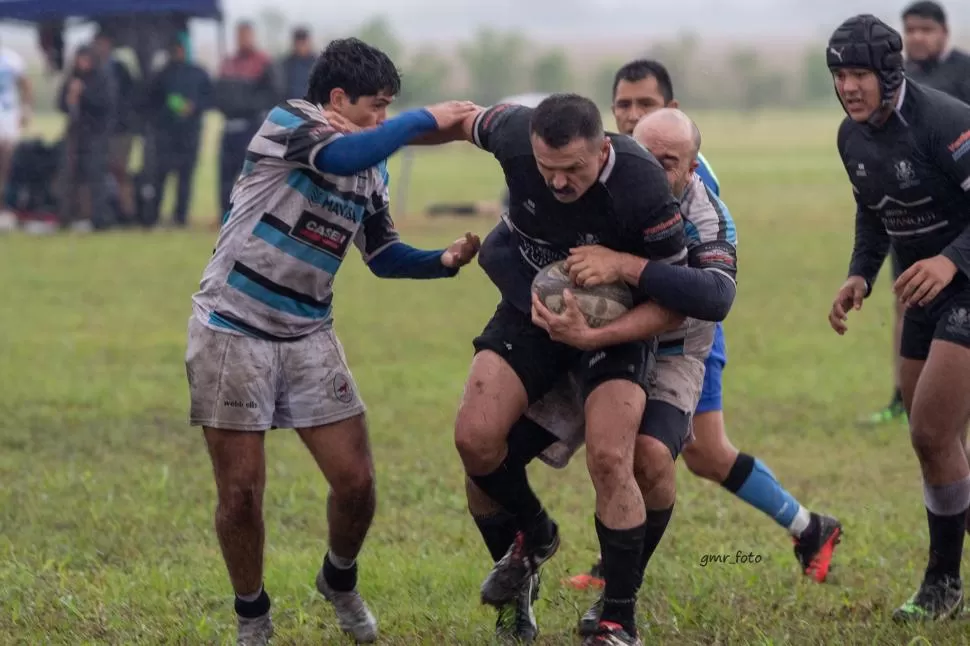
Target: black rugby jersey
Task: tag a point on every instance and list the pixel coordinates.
(911, 182)
(630, 209)
(950, 73)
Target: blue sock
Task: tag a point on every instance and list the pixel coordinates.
(751, 481)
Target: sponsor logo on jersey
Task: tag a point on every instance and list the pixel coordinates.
(324, 235)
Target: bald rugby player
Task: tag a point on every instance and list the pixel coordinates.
(644, 87)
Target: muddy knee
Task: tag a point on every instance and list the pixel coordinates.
(655, 473)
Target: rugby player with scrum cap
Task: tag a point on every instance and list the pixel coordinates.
(930, 60)
(262, 352)
(906, 150)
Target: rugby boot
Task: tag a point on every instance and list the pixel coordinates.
(815, 548)
(594, 578)
(510, 573)
(516, 621)
(353, 615)
(589, 622)
(892, 412)
(611, 634)
(938, 598)
(254, 632)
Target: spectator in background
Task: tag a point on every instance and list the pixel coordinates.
(246, 89)
(929, 58)
(179, 95)
(88, 99)
(121, 133)
(297, 65)
(16, 105)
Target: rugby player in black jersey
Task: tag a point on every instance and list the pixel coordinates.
(571, 185)
(906, 149)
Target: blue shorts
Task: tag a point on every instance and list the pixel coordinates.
(711, 393)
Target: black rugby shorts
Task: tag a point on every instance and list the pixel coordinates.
(945, 319)
(541, 362)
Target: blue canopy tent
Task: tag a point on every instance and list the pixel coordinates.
(146, 26)
(47, 10)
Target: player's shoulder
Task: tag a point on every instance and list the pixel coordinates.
(959, 58)
(848, 131)
(293, 113)
(503, 128)
(630, 163)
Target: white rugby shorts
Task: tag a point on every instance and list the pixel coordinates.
(245, 384)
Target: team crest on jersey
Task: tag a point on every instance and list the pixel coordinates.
(905, 174)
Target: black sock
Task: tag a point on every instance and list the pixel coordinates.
(621, 548)
(341, 580)
(738, 475)
(498, 531)
(655, 527)
(253, 609)
(509, 486)
(946, 544)
(897, 399)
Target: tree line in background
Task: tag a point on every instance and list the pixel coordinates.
(495, 64)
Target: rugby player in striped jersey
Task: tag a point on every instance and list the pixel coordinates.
(262, 352)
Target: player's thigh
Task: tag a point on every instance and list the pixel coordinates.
(239, 465)
(674, 390)
(614, 383)
(515, 363)
(941, 407)
(316, 387)
(914, 348)
(232, 379)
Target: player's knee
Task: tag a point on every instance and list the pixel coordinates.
(608, 463)
(653, 465)
(479, 444)
(705, 463)
(240, 502)
(930, 437)
(355, 485)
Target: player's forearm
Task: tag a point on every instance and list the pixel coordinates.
(870, 248)
(643, 322)
(358, 151)
(440, 137)
(958, 252)
(697, 293)
(400, 260)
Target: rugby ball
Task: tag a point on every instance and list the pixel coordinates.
(600, 305)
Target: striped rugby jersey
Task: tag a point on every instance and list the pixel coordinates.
(288, 231)
(712, 246)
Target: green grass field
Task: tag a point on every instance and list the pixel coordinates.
(106, 494)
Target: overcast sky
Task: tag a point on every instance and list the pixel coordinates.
(590, 21)
(552, 19)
